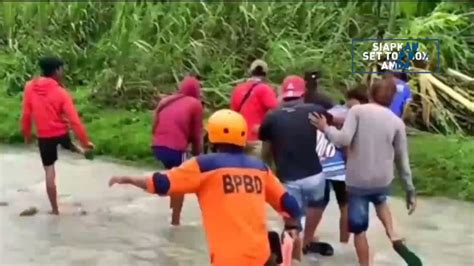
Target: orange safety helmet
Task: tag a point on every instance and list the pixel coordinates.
(227, 127)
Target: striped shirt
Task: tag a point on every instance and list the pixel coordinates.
(331, 157)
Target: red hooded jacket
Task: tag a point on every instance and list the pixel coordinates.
(50, 107)
(178, 118)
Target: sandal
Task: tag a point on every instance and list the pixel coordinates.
(407, 255)
(323, 248)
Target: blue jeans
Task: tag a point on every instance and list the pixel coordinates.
(358, 208)
(309, 191)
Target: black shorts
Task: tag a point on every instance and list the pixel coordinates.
(48, 148)
(339, 188)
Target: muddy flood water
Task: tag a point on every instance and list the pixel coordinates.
(124, 226)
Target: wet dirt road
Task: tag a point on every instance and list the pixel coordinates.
(124, 226)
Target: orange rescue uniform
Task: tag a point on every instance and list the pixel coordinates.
(232, 189)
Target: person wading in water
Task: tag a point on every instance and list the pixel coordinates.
(178, 122)
(375, 137)
(232, 189)
(50, 108)
(253, 99)
(287, 134)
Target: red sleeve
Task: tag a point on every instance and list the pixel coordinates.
(268, 97)
(26, 114)
(196, 129)
(73, 117)
(233, 104)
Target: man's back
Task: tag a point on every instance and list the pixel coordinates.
(261, 99)
(174, 129)
(371, 154)
(293, 140)
(51, 109)
(233, 192)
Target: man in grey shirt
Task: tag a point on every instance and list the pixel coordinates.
(375, 138)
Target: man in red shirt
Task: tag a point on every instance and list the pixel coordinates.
(253, 99)
(177, 123)
(50, 107)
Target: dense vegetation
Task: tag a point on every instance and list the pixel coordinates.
(121, 56)
(441, 165)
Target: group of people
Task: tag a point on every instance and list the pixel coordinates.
(312, 143)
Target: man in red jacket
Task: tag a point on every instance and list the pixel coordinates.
(178, 123)
(253, 99)
(51, 108)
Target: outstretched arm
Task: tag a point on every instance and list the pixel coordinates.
(183, 179)
(140, 182)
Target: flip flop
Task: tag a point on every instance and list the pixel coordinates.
(407, 255)
(323, 248)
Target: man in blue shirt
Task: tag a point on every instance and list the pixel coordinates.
(401, 98)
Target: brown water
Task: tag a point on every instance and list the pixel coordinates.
(125, 226)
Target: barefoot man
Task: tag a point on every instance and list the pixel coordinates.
(50, 107)
(178, 123)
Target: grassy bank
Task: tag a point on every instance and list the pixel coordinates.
(442, 166)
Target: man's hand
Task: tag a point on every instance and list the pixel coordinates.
(318, 120)
(119, 180)
(411, 201)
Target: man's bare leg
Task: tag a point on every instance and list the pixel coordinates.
(362, 249)
(313, 218)
(344, 225)
(385, 216)
(176, 204)
(51, 188)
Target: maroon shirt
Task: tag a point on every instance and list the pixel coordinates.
(180, 122)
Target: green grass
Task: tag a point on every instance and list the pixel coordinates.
(441, 165)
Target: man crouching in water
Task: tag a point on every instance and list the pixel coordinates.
(232, 189)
